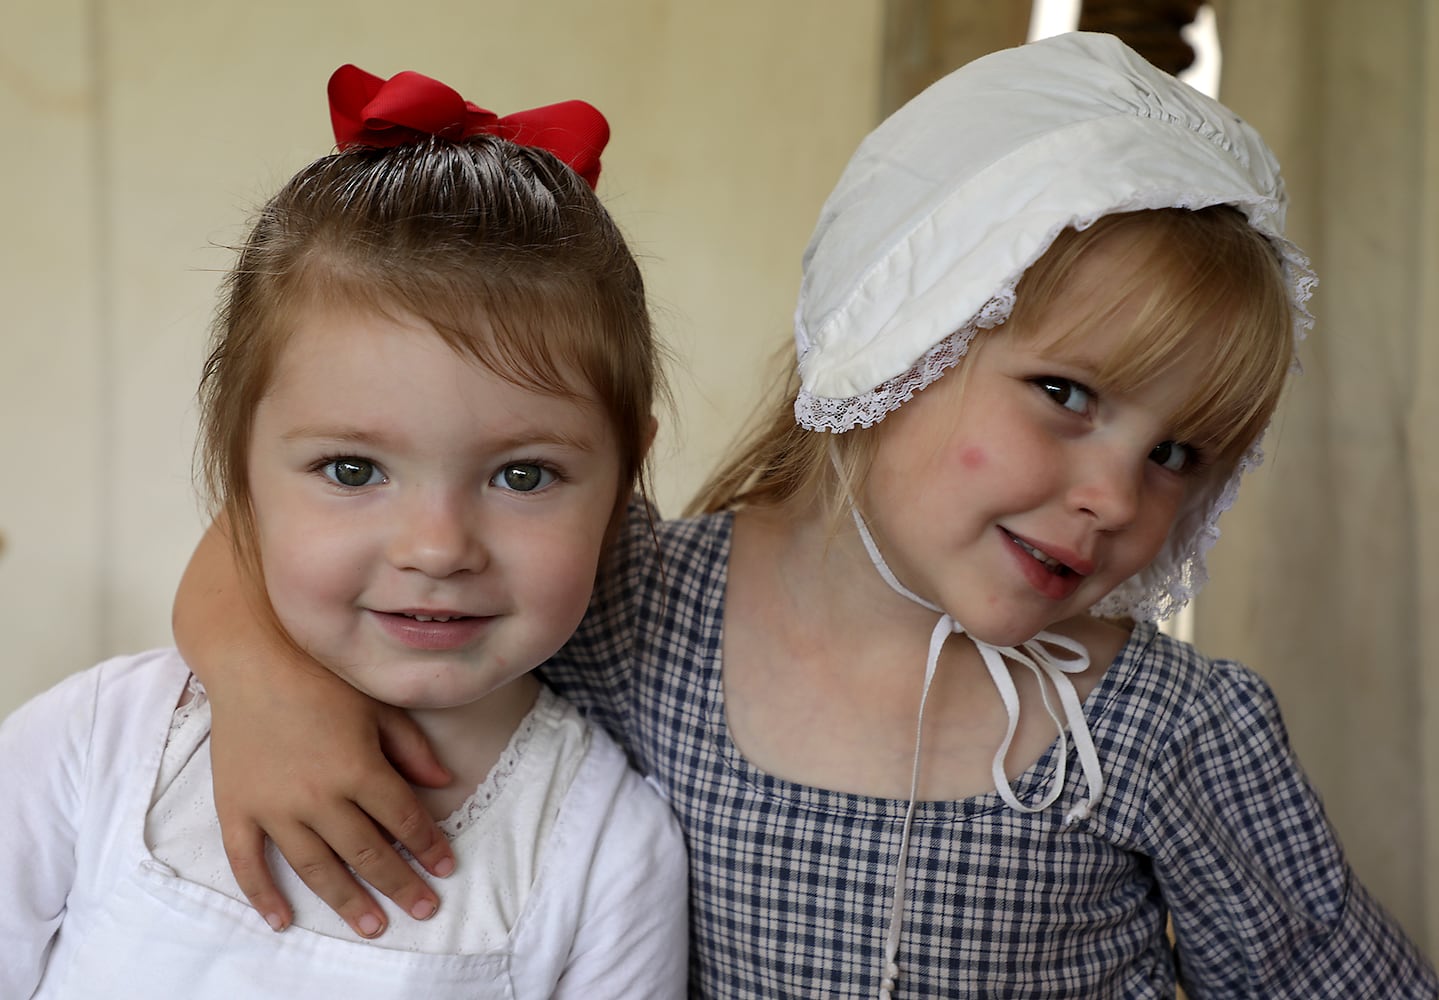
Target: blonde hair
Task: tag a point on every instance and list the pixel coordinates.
(503, 249)
(1187, 271)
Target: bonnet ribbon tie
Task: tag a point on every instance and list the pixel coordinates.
(367, 111)
(1037, 656)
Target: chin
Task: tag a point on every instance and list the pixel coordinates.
(1000, 633)
(1006, 638)
(1011, 632)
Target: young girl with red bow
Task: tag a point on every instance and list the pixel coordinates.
(426, 407)
(900, 675)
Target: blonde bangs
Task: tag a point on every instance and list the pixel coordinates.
(1196, 288)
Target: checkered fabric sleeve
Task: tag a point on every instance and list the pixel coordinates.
(1263, 902)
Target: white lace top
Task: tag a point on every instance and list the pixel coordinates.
(497, 833)
(597, 904)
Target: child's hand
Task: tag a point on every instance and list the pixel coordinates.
(301, 757)
(314, 778)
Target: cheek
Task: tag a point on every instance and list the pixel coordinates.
(562, 574)
(315, 592)
(1161, 511)
(309, 562)
(296, 580)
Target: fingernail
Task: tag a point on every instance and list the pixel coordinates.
(273, 919)
(422, 910)
(369, 925)
(445, 866)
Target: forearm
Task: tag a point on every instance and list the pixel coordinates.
(300, 756)
(222, 627)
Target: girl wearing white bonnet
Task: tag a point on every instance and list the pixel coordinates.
(899, 674)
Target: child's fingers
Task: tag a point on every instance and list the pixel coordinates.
(407, 749)
(352, 838)
(325, 874)
(395, 808)
(245, 849)
(393, 804)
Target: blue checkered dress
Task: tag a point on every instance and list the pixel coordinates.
(1206, 817)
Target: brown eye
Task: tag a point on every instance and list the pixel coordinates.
(1065, 392)
(1172, 455)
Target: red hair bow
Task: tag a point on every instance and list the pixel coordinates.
(368, 111)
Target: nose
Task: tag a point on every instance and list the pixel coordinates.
(438, 534)
(1107, 487)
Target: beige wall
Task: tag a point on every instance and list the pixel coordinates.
(141, 133)
(51, 356)
(1326, 580)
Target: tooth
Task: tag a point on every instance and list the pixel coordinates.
(1048, 561)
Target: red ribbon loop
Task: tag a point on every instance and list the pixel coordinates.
(368, 111)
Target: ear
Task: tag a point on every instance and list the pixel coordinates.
(650, 437)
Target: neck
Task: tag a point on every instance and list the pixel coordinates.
(823, 578)
(468, 739)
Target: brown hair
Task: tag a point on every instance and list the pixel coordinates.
(503, 249)
(1184, 270)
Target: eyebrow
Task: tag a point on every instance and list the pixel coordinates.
(527, 437)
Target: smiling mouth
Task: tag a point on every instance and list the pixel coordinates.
(433, 632)
(1048, 562)
(420, 618)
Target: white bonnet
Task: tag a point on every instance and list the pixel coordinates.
(947, 203)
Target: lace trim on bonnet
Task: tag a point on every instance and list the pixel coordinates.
(1167, 584)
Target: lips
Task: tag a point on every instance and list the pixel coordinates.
(432, 630)
(1052, 564)
(1046, 573)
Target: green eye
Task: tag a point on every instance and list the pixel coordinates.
(352, 472)
(523, 477)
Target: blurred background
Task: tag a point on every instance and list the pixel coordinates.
(142, 133)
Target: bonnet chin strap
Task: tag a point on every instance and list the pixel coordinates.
(1037, 656)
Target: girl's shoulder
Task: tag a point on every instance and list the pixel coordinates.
(1174, 678)
(1164, 704)
(651, 556)
(133, 682)
(659, 592)
(687, 542)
